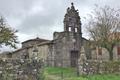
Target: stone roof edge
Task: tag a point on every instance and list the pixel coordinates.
(36, 39)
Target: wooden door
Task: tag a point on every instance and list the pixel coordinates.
(74, 58)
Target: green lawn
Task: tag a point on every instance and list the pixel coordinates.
(55, 73)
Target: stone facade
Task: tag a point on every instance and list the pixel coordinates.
(40, 50)
(103, 54)
(67, 43)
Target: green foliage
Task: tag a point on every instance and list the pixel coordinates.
(54, 70)
(7, 35)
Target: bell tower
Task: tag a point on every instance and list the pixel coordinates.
(72, 28)
(72, 21)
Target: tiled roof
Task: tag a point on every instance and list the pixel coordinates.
(36, 39)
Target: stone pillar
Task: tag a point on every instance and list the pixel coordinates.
(81, 62)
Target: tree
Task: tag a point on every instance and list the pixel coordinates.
(104, 28)
(7, 34)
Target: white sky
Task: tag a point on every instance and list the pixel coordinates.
(41, 18)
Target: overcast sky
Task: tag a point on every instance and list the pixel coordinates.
(41, 18)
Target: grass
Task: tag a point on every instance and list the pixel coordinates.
(104, 77)
(57, 73)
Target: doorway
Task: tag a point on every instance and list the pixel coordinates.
(74, 58)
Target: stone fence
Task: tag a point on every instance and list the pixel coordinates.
(20, 69)
(99, 67)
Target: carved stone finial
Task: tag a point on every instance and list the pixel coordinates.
(72, 4)
(68, 9)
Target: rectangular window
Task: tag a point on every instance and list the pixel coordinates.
(76, 29)
(100, 51)
(70, 29)
(118, 50)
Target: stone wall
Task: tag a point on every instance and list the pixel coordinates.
(21, 53)
(20, 69)
(99, 67)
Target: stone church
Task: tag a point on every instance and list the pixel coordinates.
(63, 50)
